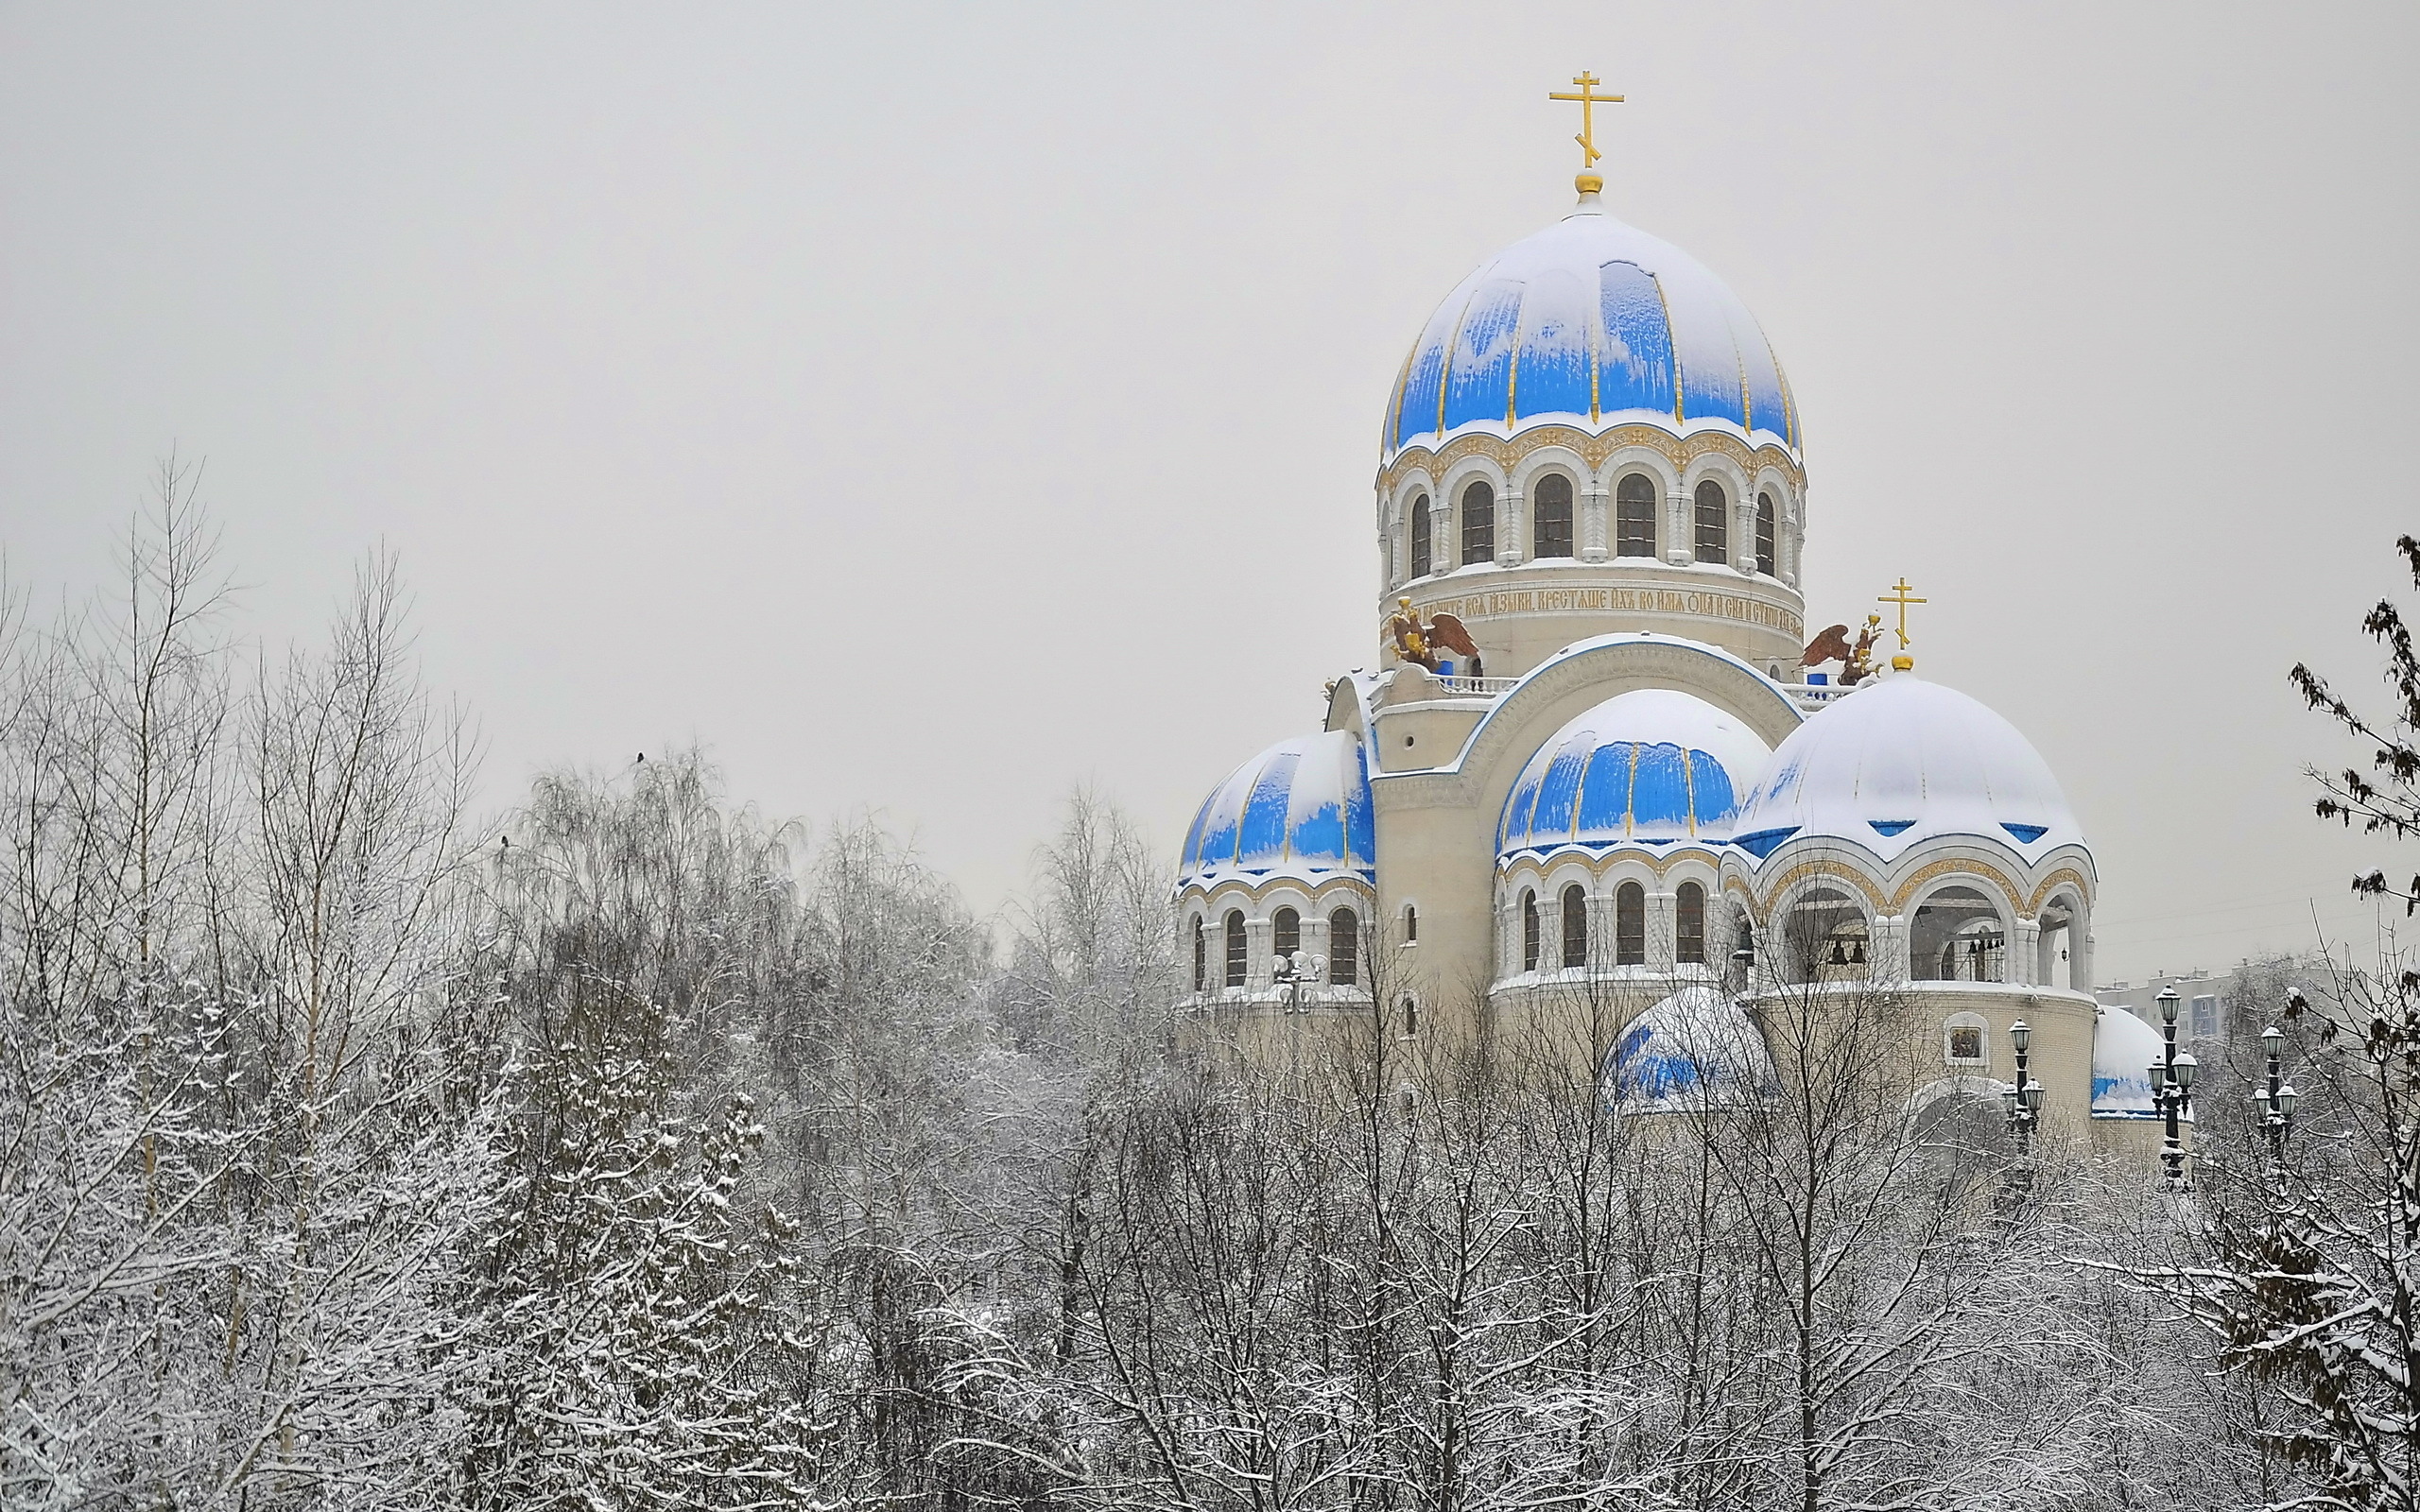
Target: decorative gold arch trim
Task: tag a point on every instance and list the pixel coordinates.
(1783, 883)
(2050, 885)
(1945, 867)
(1256, 891)
(1597, 864)
(1681, 451)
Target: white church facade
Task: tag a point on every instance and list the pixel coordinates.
(1590, 758)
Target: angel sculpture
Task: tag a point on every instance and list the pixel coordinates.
(1420, 644)
(1857, 662)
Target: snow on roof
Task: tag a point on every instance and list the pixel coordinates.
(1693, 1050)
(1901, 762)
(2123, 1048)
(1587, 321)
(1299, 809)
(1653, 765)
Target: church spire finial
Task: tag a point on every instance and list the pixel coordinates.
(1898, 595)
(1590, 181)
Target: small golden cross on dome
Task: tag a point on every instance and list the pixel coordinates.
(1588, 103)
(1900, 596)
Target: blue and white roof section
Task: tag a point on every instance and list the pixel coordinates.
(1300, 810)
(1652, 767)
(1590, 321)
(1694, 1049)
(1902, 761)
(2123, 1048)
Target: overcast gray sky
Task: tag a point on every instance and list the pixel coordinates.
(926, 406)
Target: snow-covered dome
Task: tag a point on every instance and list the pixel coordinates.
(1903, 761)
(1648, 767)
(1694, 1048)
(1299, 809)
(1588, 321)
(2123, 1048)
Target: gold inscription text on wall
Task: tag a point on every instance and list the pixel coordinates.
(1703, 604)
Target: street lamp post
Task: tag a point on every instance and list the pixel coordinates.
(2023, 1100)
(1296, 972)
(2274, 1097)
(2172, 1091)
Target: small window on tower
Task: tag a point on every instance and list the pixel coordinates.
(1575, 926)
(1420, 555)
(1635, 516)
(1552, 511)
(1766, 516)
(1286, 932)
(1233, 931)
(1201, 955)
(1714, 533)
(1630, 924)
(1688, 924)
(1411, 925)
(1478, 524)
(1529, 931)
(1345, 947)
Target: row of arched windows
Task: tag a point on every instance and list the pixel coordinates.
(1285, 938)
(1550, 524)
(1630, 926)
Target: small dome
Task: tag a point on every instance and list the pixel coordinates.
(1692, 1050)
(1902, 761)
(2123, 1048)
(1299, 809)
(1588, 321)
(1650, 767)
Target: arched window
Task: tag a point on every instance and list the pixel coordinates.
(1233, 931)
(1765, 518)
(1201, 955)
(1345, 947)
(1714, 532)
(1955, 937)
(1420, 554)
(1630, 924)
(1410, 924)
(1551, 507)
(1478, 524)
(1286, 933)
(1635, 516)
(1575, 926)
(1688, 924)
(1826, 935)
(1529, 931)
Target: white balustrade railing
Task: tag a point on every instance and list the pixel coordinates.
(1479, 687)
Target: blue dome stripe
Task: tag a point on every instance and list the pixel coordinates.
(1711, 386)
(1418, 413)
(1479, 380)
(1559, 793)
(1320, 833)
(1769, 410)
(1711, 794)
(1520, 811)
(1604, 798)
(1191, 855)
(1261, 835)
(1659, 797)
(1551, 377)
(1635, 371)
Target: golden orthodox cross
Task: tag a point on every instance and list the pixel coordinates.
(1588, 103)
(1898, 595)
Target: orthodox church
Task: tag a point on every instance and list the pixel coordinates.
(1594, 757)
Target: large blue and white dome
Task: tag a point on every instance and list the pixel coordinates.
(1299, 809)
(1903, 761)
(1650, 767)
(1589, 321)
